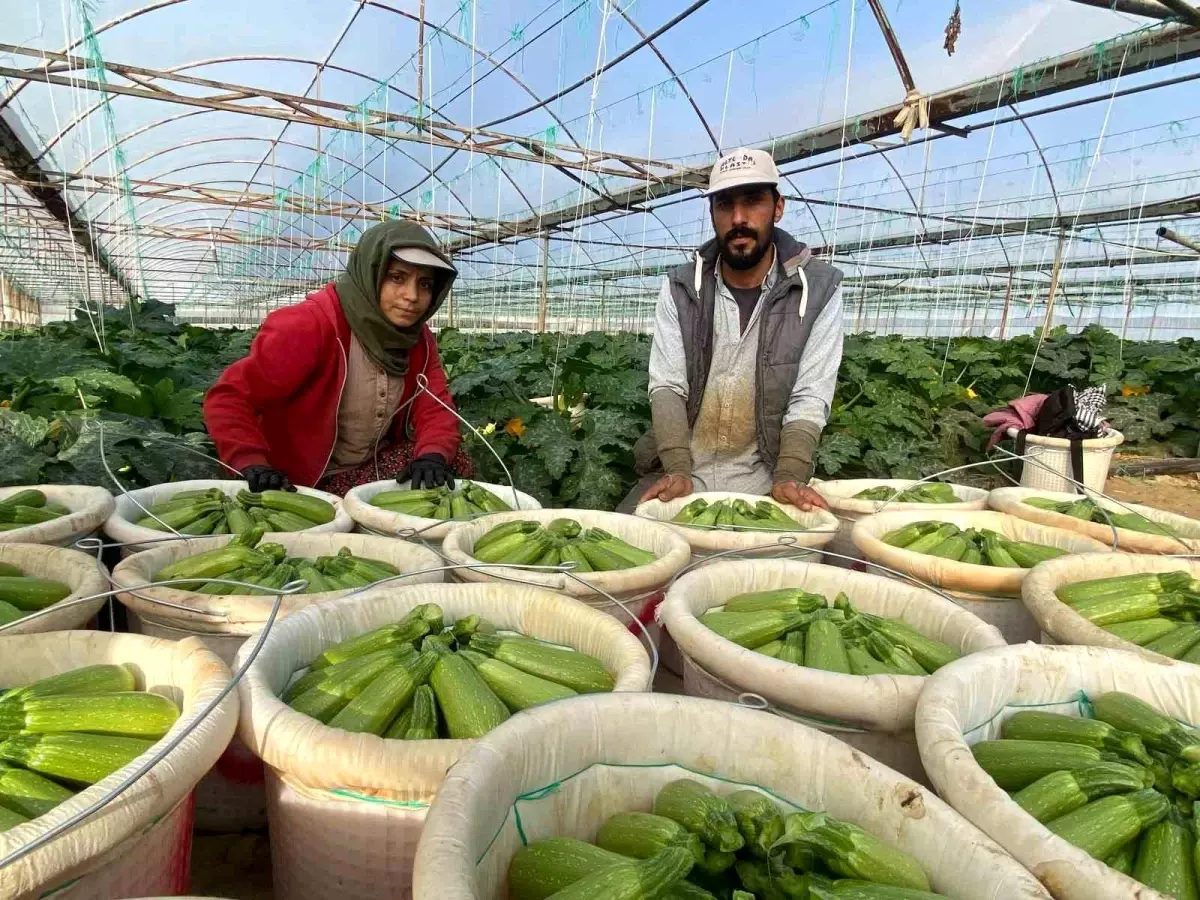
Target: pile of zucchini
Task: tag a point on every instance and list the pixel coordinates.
(1090, 511)
(1122, 787)
(21, 594)
(210, 511)
(68, 731)
(268, 567)
(421, 679)
(929, 492)
(559, 542)
(801, 628)
(736, 515)
(976, 546)
(1155, 610)
(466, 502)
(697, 845)
(28, 507)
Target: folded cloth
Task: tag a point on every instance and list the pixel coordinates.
(1089, 404)
(1020, 413)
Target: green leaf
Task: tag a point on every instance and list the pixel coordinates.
(548, 434)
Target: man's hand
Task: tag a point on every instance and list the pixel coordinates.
(799, 495)
(669, 487)
(428, 471)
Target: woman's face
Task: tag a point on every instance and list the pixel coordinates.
(406, 293)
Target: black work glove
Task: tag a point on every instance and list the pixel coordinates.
(428, 471)
(264, 478)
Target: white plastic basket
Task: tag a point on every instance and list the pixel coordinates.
(1049, 465)
(375, 520)
(122, 524)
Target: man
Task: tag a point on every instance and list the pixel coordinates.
(747, 344)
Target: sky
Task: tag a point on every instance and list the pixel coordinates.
(756, 70)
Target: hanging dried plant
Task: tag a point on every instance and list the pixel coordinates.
(953, 29)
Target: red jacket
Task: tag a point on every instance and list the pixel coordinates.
(279, 405)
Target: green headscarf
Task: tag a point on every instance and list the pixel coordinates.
(358, 291)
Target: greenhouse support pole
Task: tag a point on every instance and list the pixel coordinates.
(544, 295)
(1007, 304)
(421, 61)
(1180, 239)
(450, 309)
(1054, 273)
(1151, 9)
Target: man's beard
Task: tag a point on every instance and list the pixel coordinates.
(748, 260)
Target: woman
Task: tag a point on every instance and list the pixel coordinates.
(329, 395)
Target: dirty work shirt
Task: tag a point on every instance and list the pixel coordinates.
(724, 444)
(369, 399)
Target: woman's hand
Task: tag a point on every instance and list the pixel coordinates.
(264, 478)
(428, 471)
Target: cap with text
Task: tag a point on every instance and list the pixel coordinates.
(419, 256)
(741, 167)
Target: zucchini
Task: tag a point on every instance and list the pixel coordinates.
(328, 696)
(26, 497)
(1037, 725)
(29, 793)
(863, 663)
(10, 819)
(1015, 764)
(468, 705)
(1176, 643)
(422, 721)
(101, 678)
(132, 714)
(1123, 859)
(930, 653)
(1105, 825)
(383, 699)
(758, 819)
(1123, 585)
(641, 835)
(929, 540)
(824, 648)
(753, 629)
(647, 879)
(792, 650)
(313, 509)
(1142, 631)
(562, 665)
(1159, 732)
(29, 593)
(545, 867)
(74, 758)
(1113, 609)
(784, 600)
(852, 852)
(1062, 792)
(405, 632)
(896, 658)
(699, 810)
(518, 690)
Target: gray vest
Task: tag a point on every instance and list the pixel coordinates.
(788, 312)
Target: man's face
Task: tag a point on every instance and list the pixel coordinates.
(406, 293)
(744, 220)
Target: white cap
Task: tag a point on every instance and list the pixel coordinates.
(741, 167)
(419, 256)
